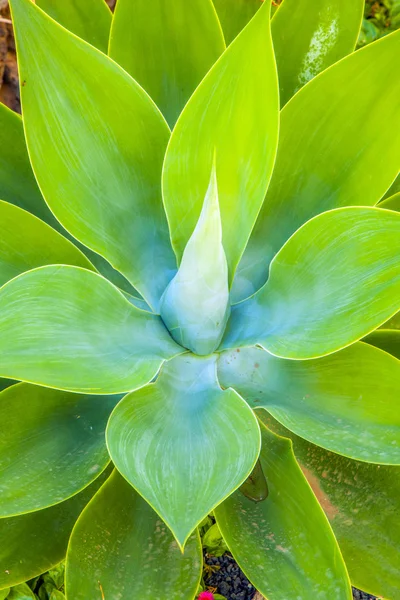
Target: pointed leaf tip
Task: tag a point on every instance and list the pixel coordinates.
(195, 306)
(161, 437)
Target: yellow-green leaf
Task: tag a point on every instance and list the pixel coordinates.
(167, 47)
(309, 36)
(68, 328)
(232, 117)
(99, 168)
(90, 20)
(313, 303)
(331, 153)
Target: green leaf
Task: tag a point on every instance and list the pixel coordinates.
(345, 402)
(313, 303)
(213, 542)
(145, 563)
(309, 37)
(90, 20)
(27, 242)
(57, 595)
(18, 186)
(17, 181)
(284, 544)
(394, 188)
(361, 502)
(4, 593)
(38, 541)
(195, 306)
(69, 328)
(56, 575)
(21, 592)
(234, 16)
(331, 153)
(232, 120)
(53, 445)
(183, 429)
(386, 339)
(391, 203)
(166, 47)
(102, 176)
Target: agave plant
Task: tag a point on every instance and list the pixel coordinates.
(189, 306)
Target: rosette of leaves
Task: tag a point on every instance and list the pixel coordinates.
(192, 306)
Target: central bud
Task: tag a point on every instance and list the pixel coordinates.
(195, 306)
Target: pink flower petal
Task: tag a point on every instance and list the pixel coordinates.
(206, 596)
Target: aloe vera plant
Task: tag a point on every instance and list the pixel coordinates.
(210, 312)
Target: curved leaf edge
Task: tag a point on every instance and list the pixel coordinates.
(88, 506)
(179, 542)
(96, 51)
(222, 348)
(367, 48)
(318, 508)
(78, 491)
(132, 306)
(192, 99)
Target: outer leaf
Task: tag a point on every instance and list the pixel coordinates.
(391, 203)
(309, 37)
(195, 306)
(21, 592)
(17, 182)
(313, 303)
(18, 186)
(38, 541)
(284, 544)
(362, 503)
(146, 558)
(328, 157)
(166, 47)
(102, 175)
(386, 339)
(168, 431)
(346, 402)
(394, 188)
(234, 16)
(52, 445)
(69, 328)
(90, 20)
(233, 118)
(27, 242)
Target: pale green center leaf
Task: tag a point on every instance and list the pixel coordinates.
(195, 306)
(176, 441)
